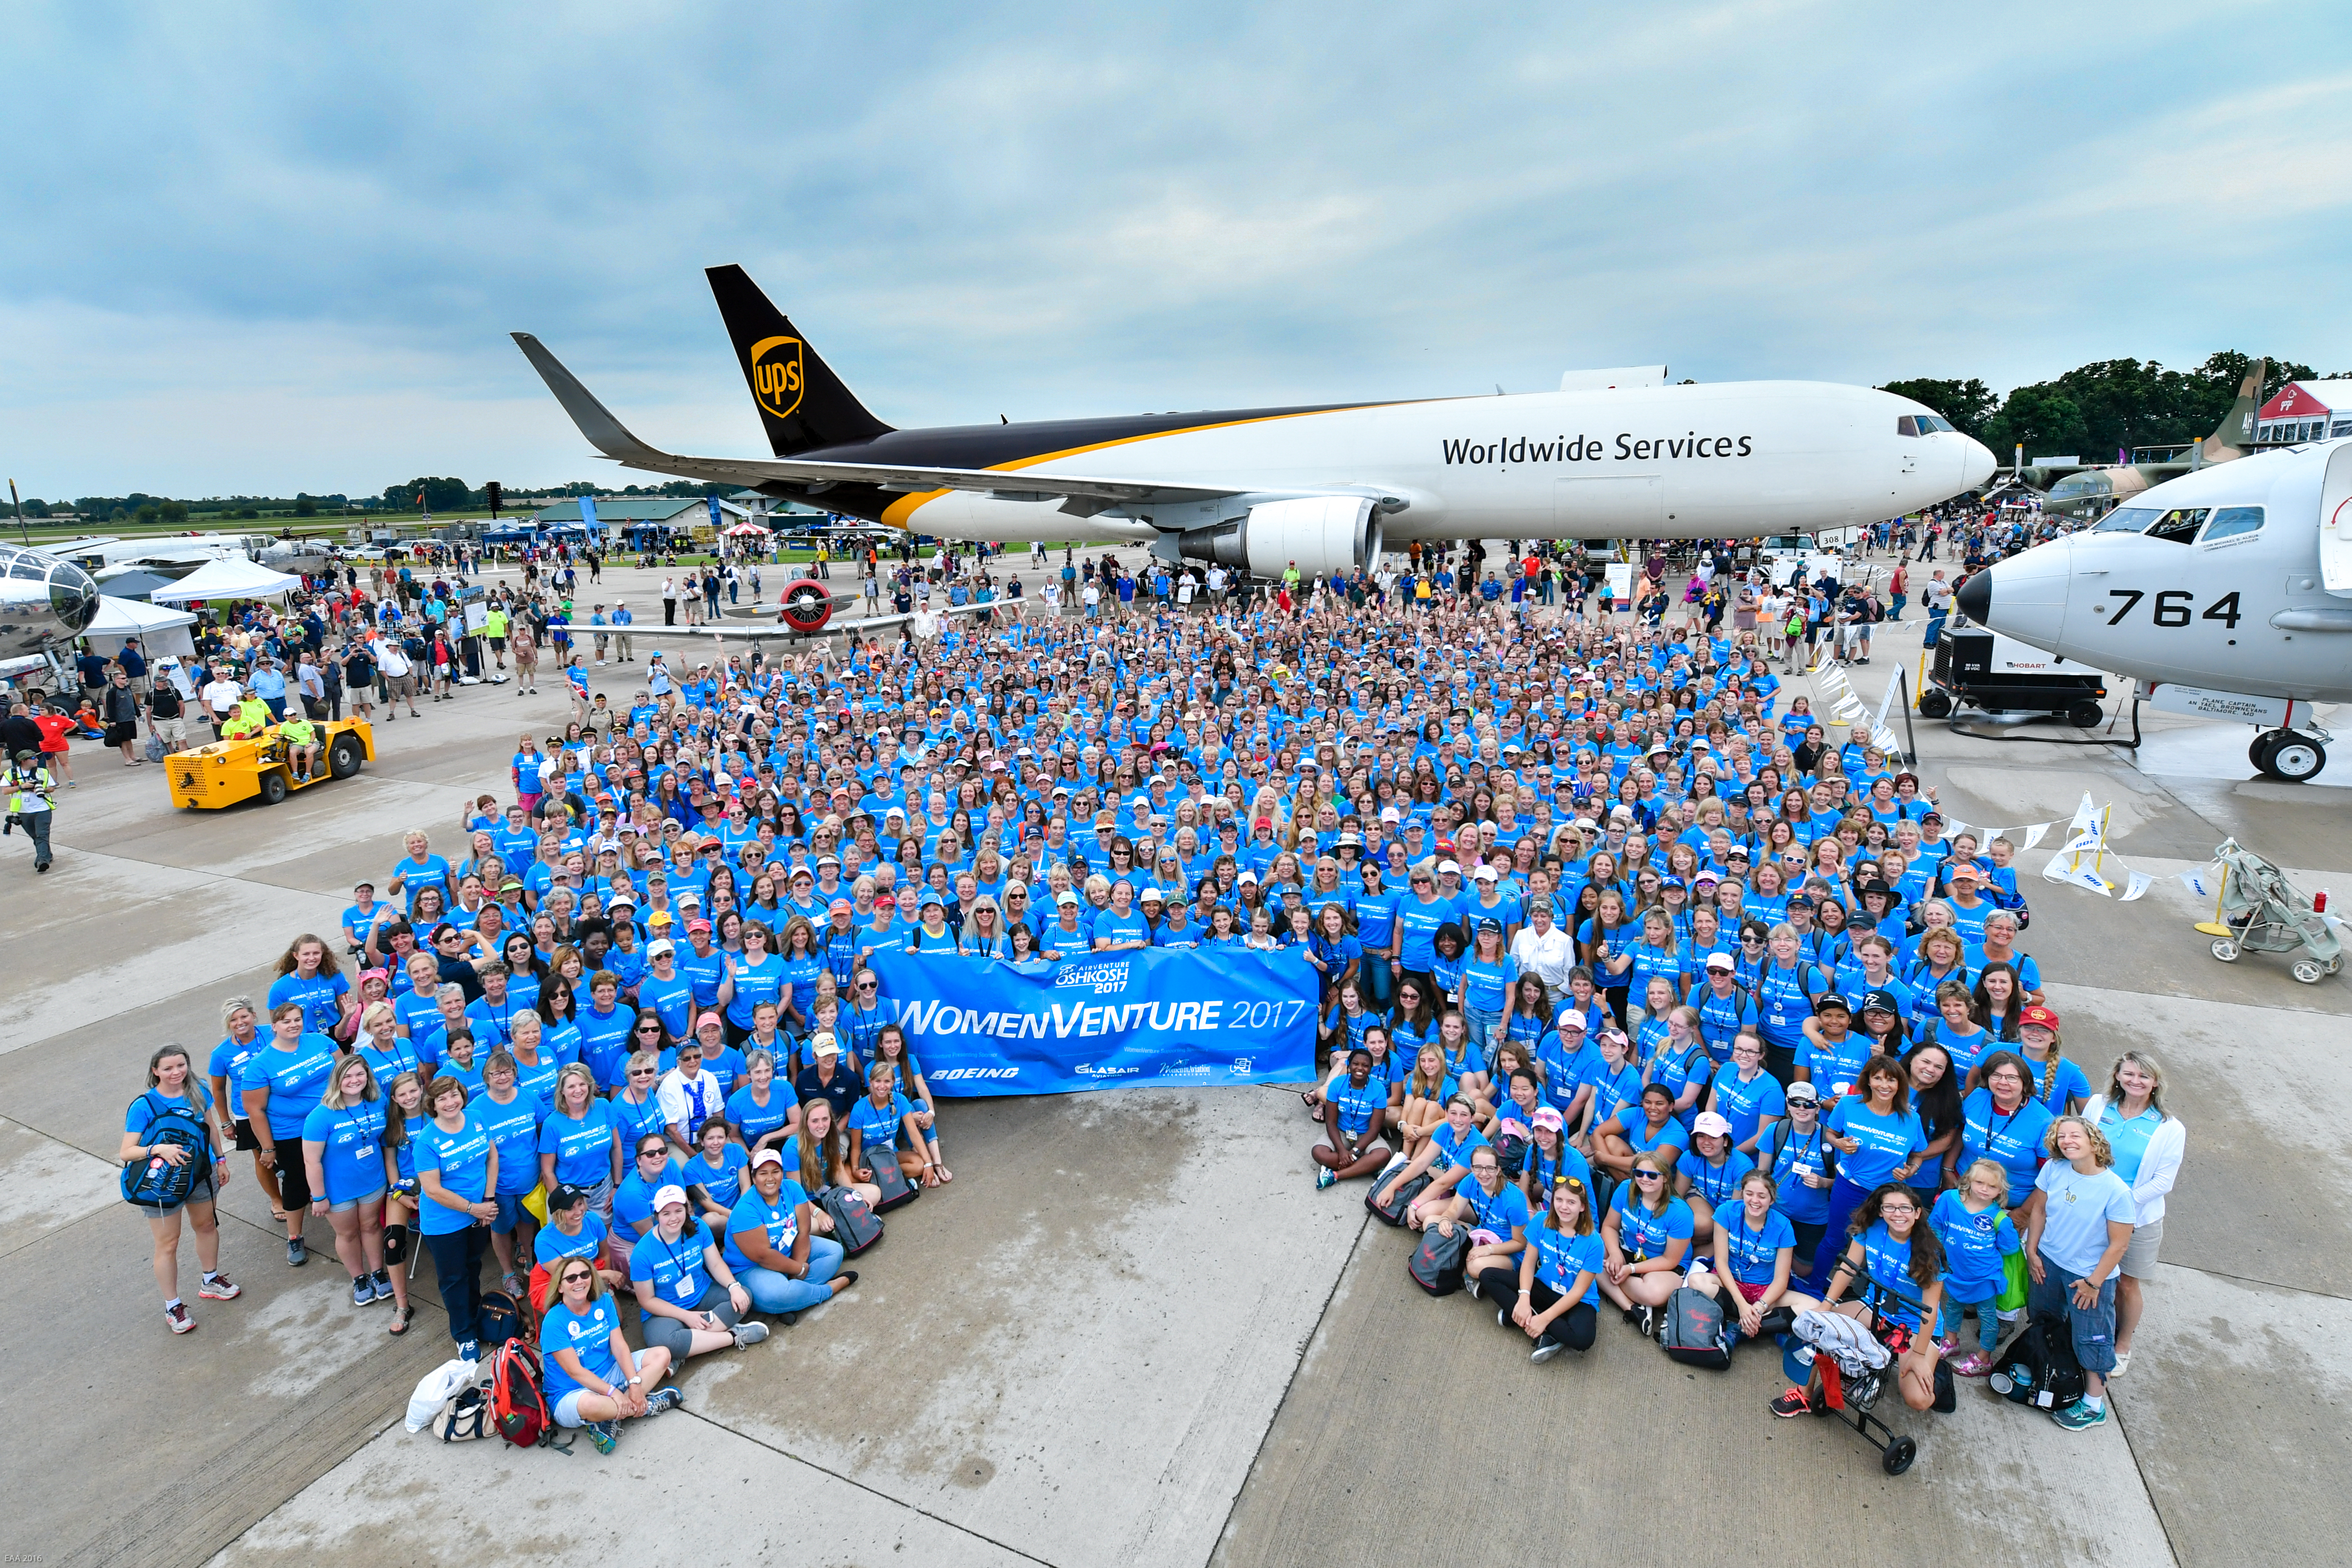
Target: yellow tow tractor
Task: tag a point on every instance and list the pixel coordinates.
(228, 772)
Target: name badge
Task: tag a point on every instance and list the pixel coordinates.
(686, 1290)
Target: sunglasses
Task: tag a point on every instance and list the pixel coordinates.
(578, 1279)
(1649, 1175)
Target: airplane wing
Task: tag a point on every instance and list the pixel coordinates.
(612, 439)
(757, 630)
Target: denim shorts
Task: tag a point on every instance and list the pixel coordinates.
(511, 1212)
(2094, 1326)
(348, 1205)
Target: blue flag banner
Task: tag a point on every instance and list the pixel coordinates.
(1150, 1016)
(717, 522)
(588, 516)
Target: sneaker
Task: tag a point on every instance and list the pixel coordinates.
(662, 1399)
(1325, 1176)
(750, 1335)
(1976, 1363)
(362, 1291)
(1471, 1285)
(2078, 1415)
(220, 1287)
(1502, 1316)
(1648, 1323)
(177, 1316)
(296, 1253)
(1545, 1351)
(469, 1350)
(382, 1279)
(2123, 1359)
(601, 1433)
(1791, 1403)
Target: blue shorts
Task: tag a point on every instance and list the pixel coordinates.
(348, 1205)
(567, 1409)
(511, 1212)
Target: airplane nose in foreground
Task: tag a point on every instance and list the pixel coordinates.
(1976, 464)
(1975, 598)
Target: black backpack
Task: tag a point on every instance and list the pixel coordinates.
(853, 1224)
(2039, 1367)
(154, 1182)
(1436, 1264)
(1392, 1211)
(891, 1178)
(1694, 1330)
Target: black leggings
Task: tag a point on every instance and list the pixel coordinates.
(1573, 1328)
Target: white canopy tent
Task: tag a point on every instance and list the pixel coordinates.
(229, 579)
(159, 630)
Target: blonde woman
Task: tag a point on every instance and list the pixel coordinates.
(350, 1172)
(174, 1099)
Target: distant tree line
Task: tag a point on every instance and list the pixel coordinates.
(2094, 409)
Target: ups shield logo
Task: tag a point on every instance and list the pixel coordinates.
(776, 374)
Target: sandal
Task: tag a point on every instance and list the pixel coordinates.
(400, 1317)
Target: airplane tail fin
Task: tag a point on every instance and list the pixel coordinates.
(802, 403)
(2236, 434)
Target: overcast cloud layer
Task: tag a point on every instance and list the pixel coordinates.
(261, 248)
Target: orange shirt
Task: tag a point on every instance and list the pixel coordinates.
(53, 728)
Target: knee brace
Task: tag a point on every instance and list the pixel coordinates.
(395, 1244)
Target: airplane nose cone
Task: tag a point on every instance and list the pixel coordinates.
(1975, 598)
(1977, 465)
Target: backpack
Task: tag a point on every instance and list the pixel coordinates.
(1437, 1263)
(156, 1183)
(466, 1417)
(897, 1191)
(2039, 1367)
(854, 1224)
(518, 1395)
(1692, 1331)
(1392, 1211)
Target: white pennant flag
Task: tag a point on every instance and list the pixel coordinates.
(2084, 877)
(2201, 881)
(2037, 833)
(1886, 740)
(2086, 815)
(1955, 827)
(2139, 882)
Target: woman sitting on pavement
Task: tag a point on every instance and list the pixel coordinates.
(584, 1351)
(1559, 1275)
(890, 1047)
(689, 1299)
(1649, 1129)
(1892, 1254)
(1708, 1177)
(1355, 1122)
(1647, 1235)
(1755, 1251)
(1444, 1154)
(1498, 1213)
(817, 1155)
(1425, 1090)
(173, 1092)
(773, 1246)
(762, 1112)
(571, 1231)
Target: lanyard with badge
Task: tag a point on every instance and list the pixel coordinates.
(686, 1290)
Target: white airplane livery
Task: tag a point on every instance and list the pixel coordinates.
(1325, 487)
(2226, 592)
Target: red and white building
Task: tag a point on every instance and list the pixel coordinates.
(2305, 411)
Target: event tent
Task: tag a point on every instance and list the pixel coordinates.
(158, 630)
(229, 579)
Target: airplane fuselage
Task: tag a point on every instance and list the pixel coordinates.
(1691, 462)
(2212, 580)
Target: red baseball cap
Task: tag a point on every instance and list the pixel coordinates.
(2045, 1017)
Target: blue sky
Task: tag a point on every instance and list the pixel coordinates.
(262, 248)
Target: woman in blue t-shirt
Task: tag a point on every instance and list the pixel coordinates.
(584, 1351)
(1892, 1258)
(1559, 1275)
(458, 1168)
(1879, 1140)
(343, 1155)
(2001, 1122)
(1647, 1235)
(1755, 1254)
(174, 1098)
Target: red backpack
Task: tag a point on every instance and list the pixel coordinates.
(518, 1395)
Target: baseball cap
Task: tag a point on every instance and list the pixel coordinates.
(1484, 874)
(1831, 999)
(1445, 865)
(766, 1157)
(710, 1018)
(1959, 868)
(825, 1045)
(1548, 1116)
(667, 1196)
(1882, 1000)
(2042, 1018)
(1712, 1123)
(697, 925)
(565, 1195)
(1723, 961)
(1802, 1093)
(660, 944)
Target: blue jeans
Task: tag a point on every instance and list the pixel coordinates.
(1988, 1318)
(1377, 982)
(1844, 1198)
(1482, 1029)
(1935, 632)
(774, 1292)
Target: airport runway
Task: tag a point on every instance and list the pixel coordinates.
(1132, 1333)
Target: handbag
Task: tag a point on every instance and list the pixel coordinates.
(2014, 1283)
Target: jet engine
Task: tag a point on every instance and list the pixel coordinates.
(1318, 534)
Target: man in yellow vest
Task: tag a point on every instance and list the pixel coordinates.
(31, 800)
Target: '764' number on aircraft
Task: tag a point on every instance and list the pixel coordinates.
(2173, 607)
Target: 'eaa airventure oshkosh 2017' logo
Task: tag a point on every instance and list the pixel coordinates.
(776, 376)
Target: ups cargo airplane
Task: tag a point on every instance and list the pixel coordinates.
(1326, 488)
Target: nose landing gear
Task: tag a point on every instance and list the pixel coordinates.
(2290, 756)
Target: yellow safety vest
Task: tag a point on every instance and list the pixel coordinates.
(31, 791)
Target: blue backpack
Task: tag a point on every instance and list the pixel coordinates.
(156, 1183)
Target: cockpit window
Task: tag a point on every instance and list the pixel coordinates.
(2180, 524)
(2125, 520)
(1933, 424)
(2232, 521)
(1906, 425)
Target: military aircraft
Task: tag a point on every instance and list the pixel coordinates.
(2226, 592)
(1323, 488)
(45, 602)
(2078, 489)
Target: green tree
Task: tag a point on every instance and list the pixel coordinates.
(304, 506)
(2047, 421)
(1967, 403)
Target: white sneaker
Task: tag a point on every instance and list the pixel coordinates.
(2123, 1363)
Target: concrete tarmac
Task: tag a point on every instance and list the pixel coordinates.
(1132, 1330)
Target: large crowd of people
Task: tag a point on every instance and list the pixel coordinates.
(1655, 979)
